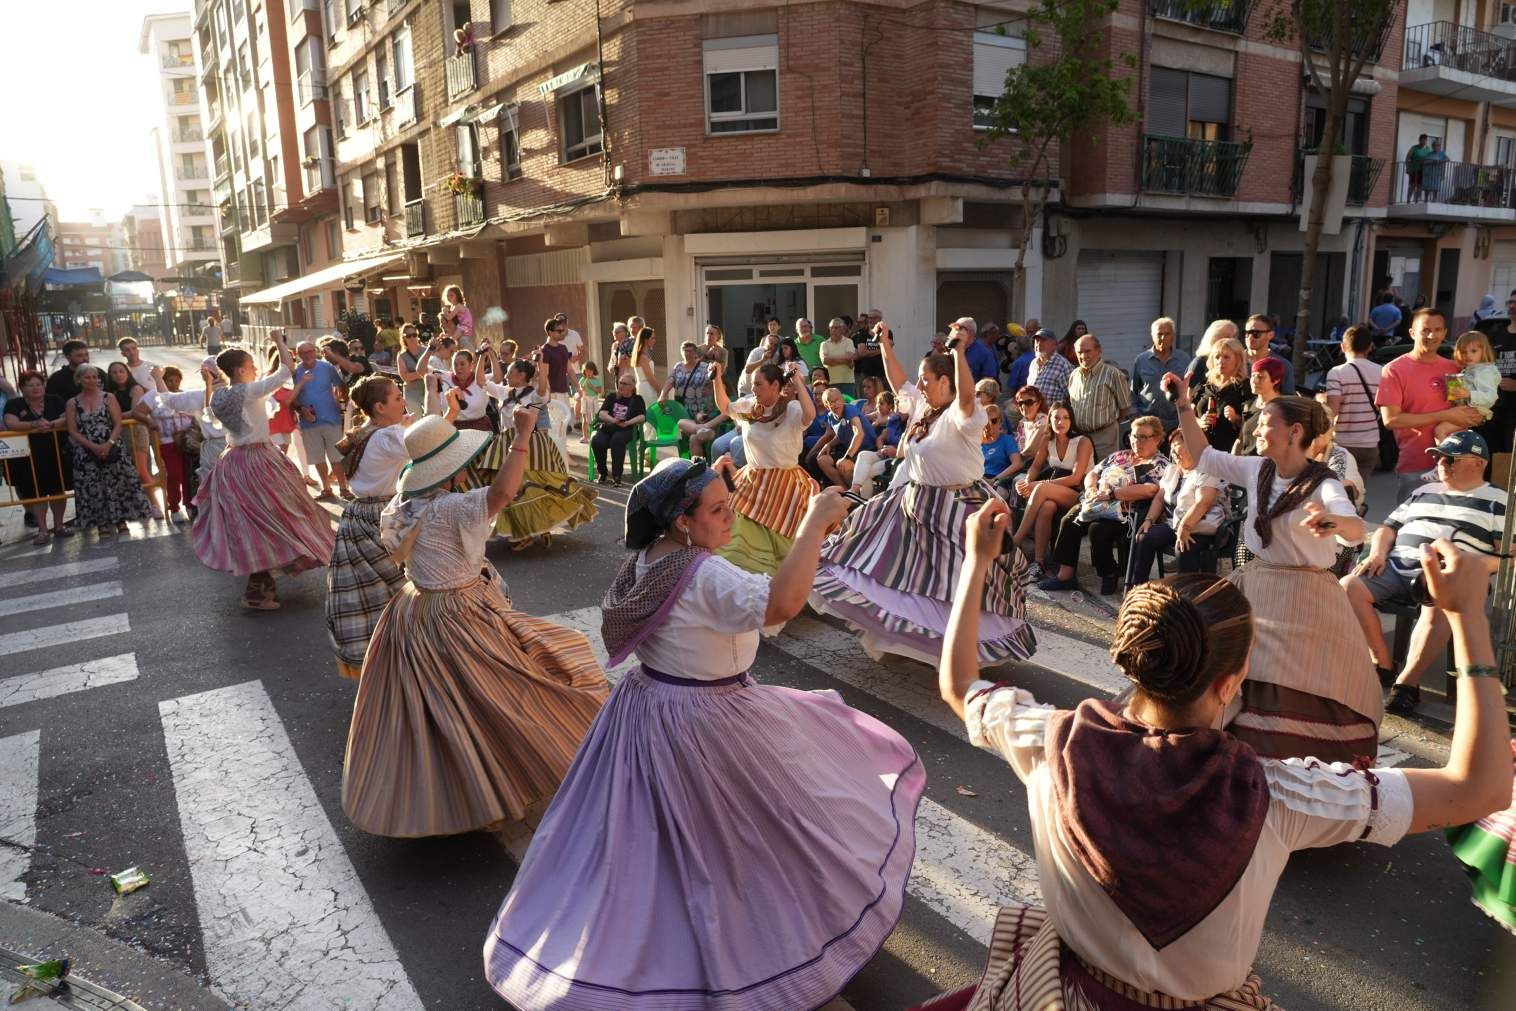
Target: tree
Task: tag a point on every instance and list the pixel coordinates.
(1066, 86)
(1337, 39)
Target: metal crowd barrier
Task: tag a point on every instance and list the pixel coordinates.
(15, 451)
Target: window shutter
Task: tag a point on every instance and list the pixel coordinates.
(1210, 99)
(994, 57)
(747, 52)
(1168, 103)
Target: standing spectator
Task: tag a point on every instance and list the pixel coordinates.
(573, 341)
(558, 357)
(456, 311)
(1265, 379)
(621, 413)
(1485, 311)
(591, 392)
(1460, 506)
(1413, 399)
(138, 437)
(1148, 370)
(1414, 157)
(64, 383)
(107, 492)
(1049, 371)
(211, 333)
(388, 340)
(621, 349)
(412, 374)
(1259, 332)
(172, 426)
(981, 355)
(282, 422)
(1350, 391)
(1099, 395)
(1222, 395)
(1076, 330)
(1501, 330)
(316, 386)
(1218, 330)
(1022, 355)
(425, 328)
(766, 351)
(807, 343)
(1434, 175)
(47, 471)
(869, 360)
(715, 351)
(141, 371)
(837, 354)
(1384, 318)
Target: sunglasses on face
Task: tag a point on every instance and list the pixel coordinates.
(1026, 403)
(1258, 333)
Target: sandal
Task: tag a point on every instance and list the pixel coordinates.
(42, 537)
(107, 533)
(63, 531)
(123, 527)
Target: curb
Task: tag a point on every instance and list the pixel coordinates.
(29, 935)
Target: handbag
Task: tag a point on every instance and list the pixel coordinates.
(1389, 449)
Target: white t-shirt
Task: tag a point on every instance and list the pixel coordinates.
(844, 348)
(573, 341)
(711, 632)
(745, 380)
(1292, 544)
(1180, 491)
(383, 460)
(143, 373)
(949, 455)
(775, 445)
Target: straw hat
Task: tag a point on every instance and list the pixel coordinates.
(437, 451)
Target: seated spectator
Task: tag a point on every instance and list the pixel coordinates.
(620, 415)
(1002, 459)
(1111, 490)
(875, 462)
(1027, 419)
(987, 392)
(832, 458)
(1183, 515)
(1461, 507)
(690, 385)
(1050, 486)
(820, 385)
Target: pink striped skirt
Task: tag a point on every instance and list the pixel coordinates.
(254, 515)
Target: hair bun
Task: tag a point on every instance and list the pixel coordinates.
(1161, 643)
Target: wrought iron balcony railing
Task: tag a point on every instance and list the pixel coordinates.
(1206, 168)
(1222, 15)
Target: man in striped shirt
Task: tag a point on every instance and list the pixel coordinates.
(1350, 391)
(1099, 395)
(1460, 506)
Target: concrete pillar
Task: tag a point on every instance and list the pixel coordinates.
(902, 282)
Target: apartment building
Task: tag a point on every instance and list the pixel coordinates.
(146, 253)
(95, 243)
(1450, 236)
(26, 197)
(185, 215)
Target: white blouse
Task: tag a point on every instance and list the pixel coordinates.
(776, 445)
(529, 398)
(1311, 804)
(475, 399)
(949, 454)
(1292, 543)
(449, 548)
(1182, 488)
(255, 408)
(383, 459)
(711, 632)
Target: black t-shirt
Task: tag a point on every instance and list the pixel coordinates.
(1498, 430)
(871, 366)
(621, 408)
(61, 384)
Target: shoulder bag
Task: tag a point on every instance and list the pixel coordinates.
(1389, 449)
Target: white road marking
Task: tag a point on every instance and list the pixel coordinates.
(56, 635)
(966, 873)
(18, 810)
(61, 598)
(68, 570)
(587, 620)
(77, 677)
(283, 913)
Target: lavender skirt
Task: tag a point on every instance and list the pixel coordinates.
(715, 845)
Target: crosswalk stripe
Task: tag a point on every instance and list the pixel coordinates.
(62, 598)
(262, 852)
(18, 810)
(966, 873)
(68, 570)
(76, 677)
(56, 635)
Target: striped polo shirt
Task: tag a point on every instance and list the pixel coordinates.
(1099, 396)
(1357, 417)
(1473, 520)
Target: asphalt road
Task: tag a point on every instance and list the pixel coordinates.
(211, 757)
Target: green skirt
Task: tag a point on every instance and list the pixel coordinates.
(550, 498)
(754, 547)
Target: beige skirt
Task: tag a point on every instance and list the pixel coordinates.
(468, 712)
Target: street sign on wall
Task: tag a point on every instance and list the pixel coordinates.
(666, 161)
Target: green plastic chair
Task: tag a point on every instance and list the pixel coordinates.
(633, 454)
(663, 419)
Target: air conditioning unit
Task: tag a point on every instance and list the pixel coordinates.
(356, 16)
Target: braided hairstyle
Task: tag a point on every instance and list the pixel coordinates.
(1175, 636)
(938, 365)
(371, 391)
(774, 374)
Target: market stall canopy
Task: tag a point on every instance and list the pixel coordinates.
(333, 274)
(129, 277)
(73, 277)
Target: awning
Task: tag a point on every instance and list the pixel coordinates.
(569, 77)
(472, 114)
(326, 275)
(71, 276)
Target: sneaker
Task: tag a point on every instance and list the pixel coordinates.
(1386, 676)
(1034, 574)
(1054, 584)
(1404, 700)
(1107, 585)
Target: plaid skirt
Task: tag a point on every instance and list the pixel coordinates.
(360, 581)
(549, 499)
(1031, 969)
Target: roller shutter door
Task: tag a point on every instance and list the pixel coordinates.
(1120, 294)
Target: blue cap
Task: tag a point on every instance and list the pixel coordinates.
(1464, 443)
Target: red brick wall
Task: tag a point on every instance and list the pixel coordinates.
(530, 306)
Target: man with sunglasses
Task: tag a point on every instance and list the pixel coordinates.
(1257, 335)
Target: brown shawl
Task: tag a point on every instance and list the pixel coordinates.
(1165, 821)
(1299, 490)
(634, 608)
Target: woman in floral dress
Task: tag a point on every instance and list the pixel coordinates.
(107, 492)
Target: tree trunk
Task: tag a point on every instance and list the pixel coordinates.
(1321, 185)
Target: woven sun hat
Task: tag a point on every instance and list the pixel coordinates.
(437, 451)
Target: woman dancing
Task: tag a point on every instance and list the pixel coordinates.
(717, 844)
(468, 711)
(252, 511)
(889, 571)
(362, 577)
(772, 489)
(1312, 690)
(1108, 785)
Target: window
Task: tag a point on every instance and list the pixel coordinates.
(410, 171)
(382, 72)
(331, 21)
(510, 142)
(501, 16)
(579, 119)
(995, 56)
(394, 194)
(742, 84)
(333, 240)
(372, 211)
(1508, 14)
(354, 10)
(348, 199)
(310, 70)
(1355, 126)
(468, 151)
(244, 67)
(260, 204)
(339, 108)
(1195, 106)
(401, 48)
(1505, 151)
(310, 247)
(362, 104)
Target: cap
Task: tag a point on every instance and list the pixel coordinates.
(1465, 443)
(1046, 335)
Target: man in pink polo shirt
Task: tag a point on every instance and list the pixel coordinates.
(1413, 399)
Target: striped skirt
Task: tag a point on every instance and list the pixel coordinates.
(769, 504)
(360, 581)
(468, 712)
(1031, 969)
(550, 498)
(1311, 691)
(254, 515)
(891, 569)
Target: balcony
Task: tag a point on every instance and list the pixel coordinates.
(462, 75)
(1222, 16)
(415, 218)
(393, 7)
(1454, 191)
(469, 207)
(1443, 58)
(320, 174)
(185, 172)
(188, 136)
(310, 88)
(1362, 177)
(172, 61)
(1370, 36)
(181, 98)
(223, 168)
(1202, 168)
(226, 218)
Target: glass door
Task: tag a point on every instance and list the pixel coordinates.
(742, 299)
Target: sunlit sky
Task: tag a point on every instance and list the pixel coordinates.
(79, 100)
